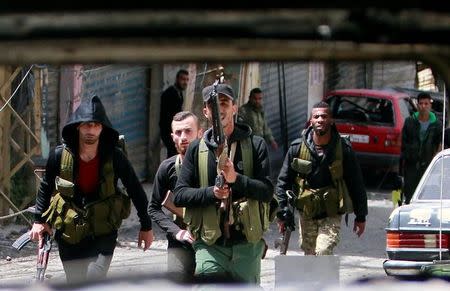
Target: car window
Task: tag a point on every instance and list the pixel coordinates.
(431, 189)
(406, 107)
(362, 109)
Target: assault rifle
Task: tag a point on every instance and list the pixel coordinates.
(43, 252)
(289, 225)
(220, 142)
(169, 205)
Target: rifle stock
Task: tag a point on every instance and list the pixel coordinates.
(169, 205)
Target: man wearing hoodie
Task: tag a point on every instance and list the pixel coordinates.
(79, 195)
(228, 244)
(421, 140)
(322, 171)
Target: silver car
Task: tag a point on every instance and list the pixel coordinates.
(413, 231)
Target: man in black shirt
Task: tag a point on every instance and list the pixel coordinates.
(171, 103)
(180, 261)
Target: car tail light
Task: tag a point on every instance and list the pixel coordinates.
(393, 140)
(415, 240)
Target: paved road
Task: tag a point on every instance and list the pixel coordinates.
(359, 257)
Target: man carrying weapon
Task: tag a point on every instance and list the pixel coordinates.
(227, 228)
(288, 226)
(322, 169)
(44, 248)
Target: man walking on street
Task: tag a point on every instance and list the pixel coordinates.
(323, 172)
(421, 140)
(79, 196)
(228, 241)
(252, 113)
(180, 254)
(172, 102)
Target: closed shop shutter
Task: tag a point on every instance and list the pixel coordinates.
(50, 106)
(296, 88)
(371, 75)
(394, 74)
(124, 92)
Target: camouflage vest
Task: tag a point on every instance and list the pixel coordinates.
(250, 214)
(330, 200)
(99, 217)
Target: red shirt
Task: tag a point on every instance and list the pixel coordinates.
(88, 175)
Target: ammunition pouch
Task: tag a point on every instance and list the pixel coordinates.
(67, 219)
(328, 201)
(100, 217)
(301, 166)
(97, 218)
(123, 204)
(247, 214)
(64, 187)
(203, 223)
(318, 203)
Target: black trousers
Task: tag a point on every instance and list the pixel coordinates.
(88, 260)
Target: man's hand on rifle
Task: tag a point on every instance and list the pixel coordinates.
(222, 193)
(228, 172)
(184, 236)
(38, 230)
(285, 220)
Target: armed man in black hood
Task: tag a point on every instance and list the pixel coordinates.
(79, 196)
(228, 240)
(322, 170)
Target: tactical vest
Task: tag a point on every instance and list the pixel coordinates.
(252, 215)
(330, 200)
(100, 217)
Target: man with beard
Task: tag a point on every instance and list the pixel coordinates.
(229, 241)
(252, 113)
(321, 169)
(79, 195)
(171, 103)
(180, 254)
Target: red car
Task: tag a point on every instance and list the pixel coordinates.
(373, 119)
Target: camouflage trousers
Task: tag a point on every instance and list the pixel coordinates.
(319, 236)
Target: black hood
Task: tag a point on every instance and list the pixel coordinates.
(241, 131)
(89, 110)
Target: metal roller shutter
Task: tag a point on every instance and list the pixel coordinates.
(296, 88)
(124, 93)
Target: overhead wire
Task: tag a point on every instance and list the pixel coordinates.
(17, 89)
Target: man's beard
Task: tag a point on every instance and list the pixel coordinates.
(180, 149)
(322, 131)
(89, 139)
(255, 105)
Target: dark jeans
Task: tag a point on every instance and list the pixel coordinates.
(412, 176)
(89, 259)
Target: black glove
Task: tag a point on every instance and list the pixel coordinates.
(287, 217)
